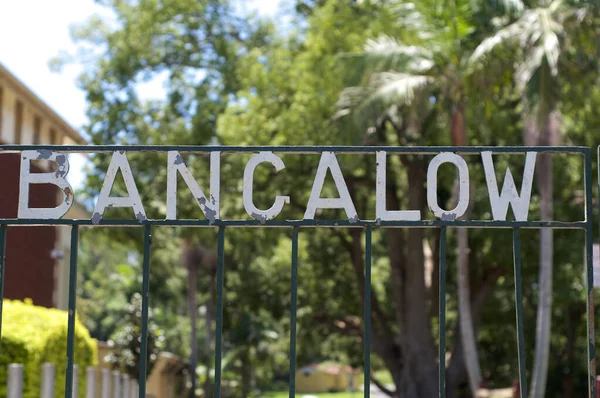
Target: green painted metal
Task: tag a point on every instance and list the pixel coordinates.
(519, 312)
(367, 314)
(307, 223)
(421, 150)
(145, 303)
(219, 320)
(293, 313)
(72, 305)
(442, 316)
(296, 225)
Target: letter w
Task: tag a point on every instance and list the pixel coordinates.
(509, 195)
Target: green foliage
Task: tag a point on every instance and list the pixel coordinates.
(34, 335)
(126, 341)
(257, 86)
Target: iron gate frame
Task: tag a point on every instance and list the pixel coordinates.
(585, 225)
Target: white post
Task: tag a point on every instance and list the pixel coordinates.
(90, 382)
(135, 389)
(126, 386)
(105, 383)
(75, 391)
(15, 381)
(48, 374)
(116, 384)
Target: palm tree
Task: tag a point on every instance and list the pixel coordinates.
(539, 36)
(400, 76)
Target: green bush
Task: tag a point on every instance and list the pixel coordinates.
(34, 335)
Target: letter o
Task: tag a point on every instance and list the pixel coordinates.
(463, 186)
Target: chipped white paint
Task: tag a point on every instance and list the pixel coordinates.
(280, 201)
(463, 186)
(509, 195)
(210, 207)
(57, 178)
(119, 162)
(329, 162)
(381, 213)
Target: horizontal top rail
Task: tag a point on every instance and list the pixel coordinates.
(304, 223)
(422, 150)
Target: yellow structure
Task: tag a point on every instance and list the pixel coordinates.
(327, 377)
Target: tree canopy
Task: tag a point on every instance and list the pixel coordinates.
(345, 73)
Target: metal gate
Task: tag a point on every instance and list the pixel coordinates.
(259, 219)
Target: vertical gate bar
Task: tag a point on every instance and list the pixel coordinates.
(145, 302)
(3, 231)
(293, 313)
(442, 316)
(367, 315)
(219, 320)
(589, 243)
(519, 312)
(72, 303)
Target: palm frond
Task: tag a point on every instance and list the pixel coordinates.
(516, 32)
(392, 87)
(386, 53)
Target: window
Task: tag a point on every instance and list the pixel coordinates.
(37, 130)
(18, 121)
(53, 137)
(1, 104)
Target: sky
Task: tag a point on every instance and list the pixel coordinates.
(32, 32)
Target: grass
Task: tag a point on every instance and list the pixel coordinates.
(285, 394)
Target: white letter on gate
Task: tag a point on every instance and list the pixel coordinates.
(55, 178)
(119, 162)
(329, 161)
(210, 208)
(463, 187)
(509, 195)
(380, 194)
(280, 201)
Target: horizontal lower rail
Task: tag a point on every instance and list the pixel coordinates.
(424, 150)
(306, 223)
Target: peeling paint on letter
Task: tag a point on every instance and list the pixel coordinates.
(280, 201)
(57, 178)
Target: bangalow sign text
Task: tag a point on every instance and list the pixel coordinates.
(209, 198)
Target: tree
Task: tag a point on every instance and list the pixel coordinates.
(403, 77)
(540, 34)
(126, 341)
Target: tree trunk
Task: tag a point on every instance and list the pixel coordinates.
(246, 373)
(468, 339)
(544, 134)
(193, 311)
(544, 310)
(208, 342)
(419, 378)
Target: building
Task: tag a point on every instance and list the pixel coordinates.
(327, 377)
(36, 257)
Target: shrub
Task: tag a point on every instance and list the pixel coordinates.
(34, 335)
